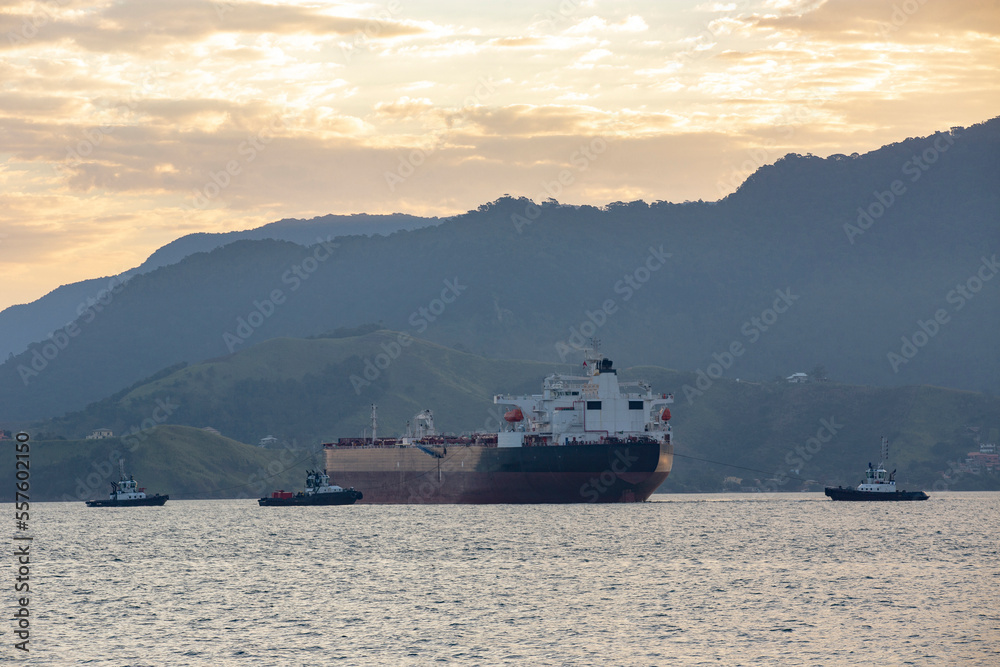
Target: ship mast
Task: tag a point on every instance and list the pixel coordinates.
(885, 451)
(374, 422)
(593, 356)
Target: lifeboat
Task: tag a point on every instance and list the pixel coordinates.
(665, 415)
(514, 415)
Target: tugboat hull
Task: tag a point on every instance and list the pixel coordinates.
(841, 493)
(345, 497)
(149, 501)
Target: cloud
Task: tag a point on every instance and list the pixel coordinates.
(596, 25)
(148, 25)
(116, 115)
(404, 108)
(905, 20)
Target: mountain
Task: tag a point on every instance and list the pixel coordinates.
(213, 466)
(305, 392)
(23, 324)
(878, 267)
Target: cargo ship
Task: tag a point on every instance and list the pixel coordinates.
(585, 439)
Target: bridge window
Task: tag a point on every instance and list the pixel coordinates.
(635, 405)
(593, 405)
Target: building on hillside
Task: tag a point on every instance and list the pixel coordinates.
(267, 441)
(213, 431)
(985, 460)
(101, 434)
(797, 377)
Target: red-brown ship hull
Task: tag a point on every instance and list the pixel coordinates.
(603, 473)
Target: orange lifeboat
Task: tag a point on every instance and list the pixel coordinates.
(514, 415)
(665, 415)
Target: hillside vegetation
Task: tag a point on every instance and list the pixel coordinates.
(786, 266)
(23, 324)
(183, 462)
(302, 393)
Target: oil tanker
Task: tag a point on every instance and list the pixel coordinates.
(584, 439)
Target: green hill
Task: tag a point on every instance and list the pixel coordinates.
(669, 284)
(181, 461)
(307, 391)
(301, 390)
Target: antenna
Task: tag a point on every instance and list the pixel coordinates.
(374, 422)
(885, 449)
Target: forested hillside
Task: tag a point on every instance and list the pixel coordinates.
(878, 267)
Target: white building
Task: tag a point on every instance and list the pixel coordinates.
(101, 434)
(798, 377)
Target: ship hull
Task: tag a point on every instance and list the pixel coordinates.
(149, 501)
(604, 473)
(878, 496)
(347, 497)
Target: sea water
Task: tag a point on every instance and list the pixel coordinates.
(736, 579)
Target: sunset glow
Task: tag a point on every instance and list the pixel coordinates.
(124, 125)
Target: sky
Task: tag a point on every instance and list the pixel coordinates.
(125, 125)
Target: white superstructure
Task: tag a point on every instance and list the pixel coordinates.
(126, 488)
(878, 479)
(319, 482)
(589, 409)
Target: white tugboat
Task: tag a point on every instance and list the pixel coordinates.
(879, 484)
(126, 493)
(318, 491)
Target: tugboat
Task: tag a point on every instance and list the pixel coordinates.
(125, 493)
(318, 491)
(877, 485)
